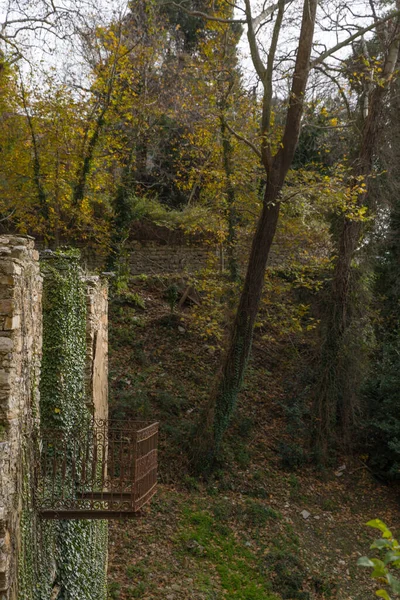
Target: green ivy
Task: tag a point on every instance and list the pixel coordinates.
(36, 556)
(81, 560)
(68, 554)
(62, 393)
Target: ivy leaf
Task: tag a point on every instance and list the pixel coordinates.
(364, 561)
(391, 556)
(394, 583)
(379, 568)
(381, 543)
(378, 524)
(383, 594)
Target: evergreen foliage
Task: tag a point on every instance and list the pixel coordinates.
(382, 390)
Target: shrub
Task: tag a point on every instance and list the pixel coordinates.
(381, 569)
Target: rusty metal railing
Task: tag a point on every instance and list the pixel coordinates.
(104, 470)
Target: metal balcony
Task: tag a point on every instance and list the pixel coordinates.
(103, 470)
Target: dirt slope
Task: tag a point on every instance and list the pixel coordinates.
(256, 530)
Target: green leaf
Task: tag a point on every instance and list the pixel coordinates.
(379, 568)
(394, 583)
(381, 543)
(378, 524)
(391, 556)
(383, 594)
(364, 561)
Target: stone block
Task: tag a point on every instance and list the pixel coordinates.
(12, 323)
(19, 251)
(6, 306)
(19, 240)
(5, 378)
(6, 344)
(4, 561)
(2, 522)
(10, 268)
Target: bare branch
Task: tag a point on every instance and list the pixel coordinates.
(7, 217)
(243, 139)
(266, 112)
(353, 37)
(339, 86)
(257, 21)
(208, 17)
(251, 36)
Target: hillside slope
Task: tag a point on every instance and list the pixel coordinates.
(267, 525)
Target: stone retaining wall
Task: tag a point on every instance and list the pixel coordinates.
(20, 353)
(20, 359)
(154, 258)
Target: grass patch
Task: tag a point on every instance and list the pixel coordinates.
(114, 590)
(285, 567)
(330, 505)
(236, 565)
(137, 591)
(258, 515)
(131, 299)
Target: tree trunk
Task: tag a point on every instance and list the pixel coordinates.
(84, 172)
(141, 161)
(37, 170)
(215, 420)
(122, 214)
(335, 395)
(230, 195)
(208, 436)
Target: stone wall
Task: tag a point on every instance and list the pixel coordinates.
(21, 338)
(20, 353)
(158, 258)
(97, 346)
(155, 258)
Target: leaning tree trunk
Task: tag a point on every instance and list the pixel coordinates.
(232, 218)
(215, 420)
(336, 392)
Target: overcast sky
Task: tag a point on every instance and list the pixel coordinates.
(337, 20)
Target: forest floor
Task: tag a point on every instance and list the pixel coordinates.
(242, 535)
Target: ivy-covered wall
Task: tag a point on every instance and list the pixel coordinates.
(62, 560)
(80, 546)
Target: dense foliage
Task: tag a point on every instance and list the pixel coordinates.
(162, 125)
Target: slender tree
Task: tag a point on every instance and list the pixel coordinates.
(215, 419)
(276, 159)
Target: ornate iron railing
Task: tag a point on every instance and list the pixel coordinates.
(104, 470)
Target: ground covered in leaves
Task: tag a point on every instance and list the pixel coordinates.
(267, 525)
